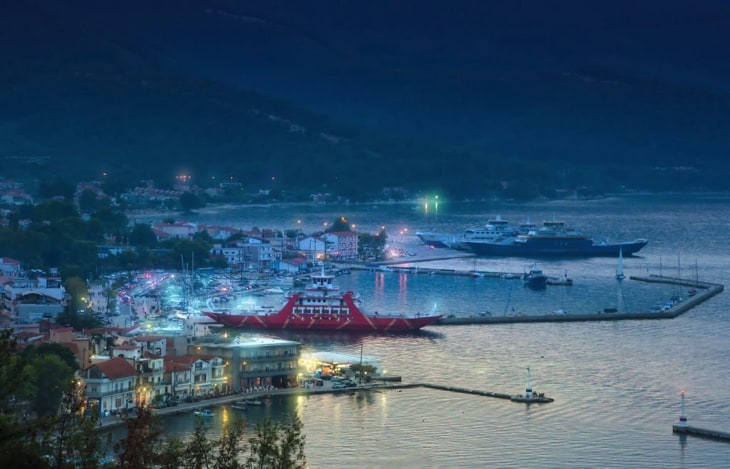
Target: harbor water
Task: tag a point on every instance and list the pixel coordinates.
(616, 384)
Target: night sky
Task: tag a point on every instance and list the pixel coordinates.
(519, 79)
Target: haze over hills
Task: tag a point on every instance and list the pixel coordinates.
(342, 94)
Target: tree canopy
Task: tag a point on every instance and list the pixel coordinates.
(51, 429)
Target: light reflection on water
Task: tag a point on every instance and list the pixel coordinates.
(615, 384)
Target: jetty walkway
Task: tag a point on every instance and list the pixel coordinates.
(701, 432)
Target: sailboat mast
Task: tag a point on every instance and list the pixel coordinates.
(361, 345)
(185, 283)
(697, 275)
(620, 266)
(660, 266)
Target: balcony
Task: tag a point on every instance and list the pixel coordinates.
(101, 395)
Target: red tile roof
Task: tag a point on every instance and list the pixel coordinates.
(116, 368)
(179, 363)
(182, 359)
(148, 354)
(125, 347)
(27, 335)
(148, 338)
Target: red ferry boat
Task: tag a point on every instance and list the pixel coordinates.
(322, 307)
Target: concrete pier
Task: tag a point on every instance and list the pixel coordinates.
(434, 271)
(705, 291)
(537, 399)
(701, 432)
(474, 392)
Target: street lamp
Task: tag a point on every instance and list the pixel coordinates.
(141, 397)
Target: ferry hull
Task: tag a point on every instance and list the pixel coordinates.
(556, 248)
(369, 324)
(354, 321)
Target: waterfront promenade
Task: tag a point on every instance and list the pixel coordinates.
(393, 383)
(188, 407)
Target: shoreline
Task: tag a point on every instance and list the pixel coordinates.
(227, 206)
(212, 208)
(187, 407)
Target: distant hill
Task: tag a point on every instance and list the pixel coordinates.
(331, 96)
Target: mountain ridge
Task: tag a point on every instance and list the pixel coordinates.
(179, 84)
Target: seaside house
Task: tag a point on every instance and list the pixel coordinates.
(9, 267)
(131, 352)
(79, 344)
(292, 266)
(29, 300)
(312, 247)
(111, 386)
(181, 230)
(45, 331)
(252, 254)
(258, 252)
(152, 343)
(341, 245)
(232, 253)
(151, 384)
(219, 233)
(178, 371)
(205, 367)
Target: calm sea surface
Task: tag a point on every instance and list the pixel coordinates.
(616, 384)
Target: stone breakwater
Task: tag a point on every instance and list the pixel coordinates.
(704, 291)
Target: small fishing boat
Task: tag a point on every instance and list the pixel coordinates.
(239, 405)
(564, 281)
(535, 279)
(203, 413)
